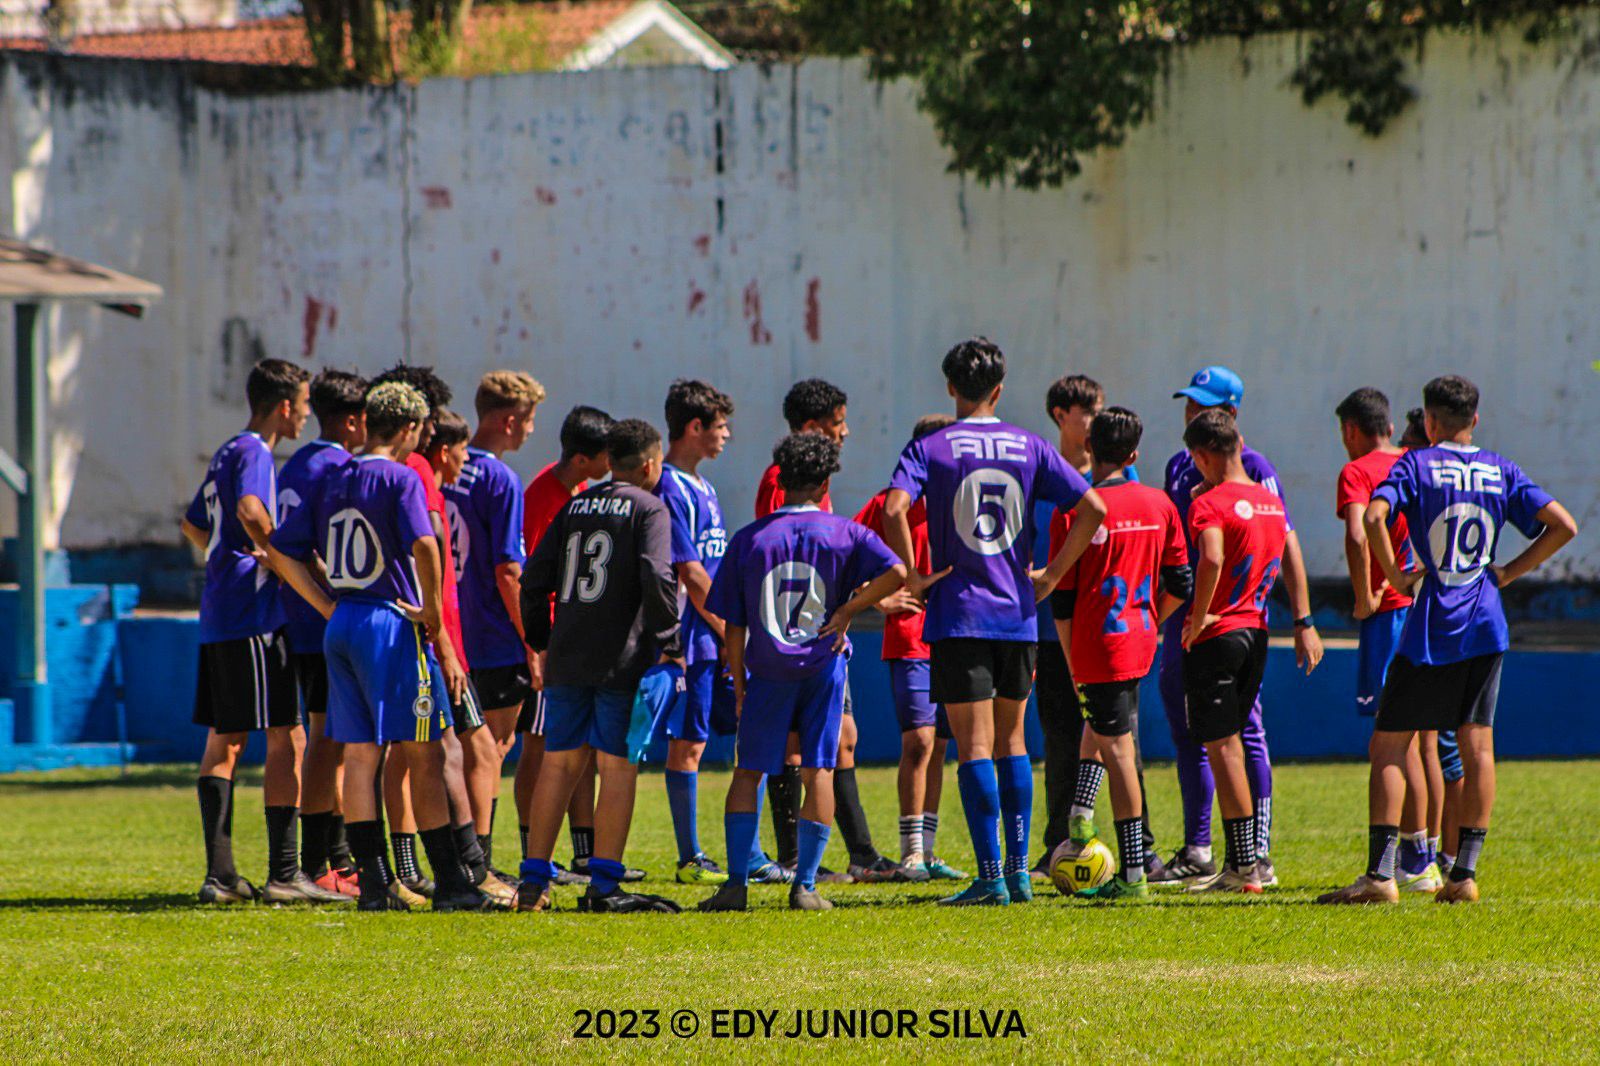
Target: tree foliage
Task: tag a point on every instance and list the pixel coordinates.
(1022, 90)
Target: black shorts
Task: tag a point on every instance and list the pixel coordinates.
(502, 686)
(311, 675)
(531, 718)
(1111, 707)
(467, 712)
(1221, 679)
(246, 684)
(1418, 696)
(967, 670)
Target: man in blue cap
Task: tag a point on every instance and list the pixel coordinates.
(1218, 386)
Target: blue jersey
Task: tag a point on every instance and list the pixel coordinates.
(1456, 499)
(783, 577)
(484, 507)
(698, 535)
(297, 484)
(981, 478)
(240, 598)
(363, 519)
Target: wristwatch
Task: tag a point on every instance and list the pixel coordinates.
(1305, 623)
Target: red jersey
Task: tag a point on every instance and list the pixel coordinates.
(902, 631)
(1118, 581)
(1254, 528)
(544, 497)
(769, 494)
(1356, 481)
(450, 602)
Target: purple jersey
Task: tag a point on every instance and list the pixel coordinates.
(362, 520)
(1183, 477)
(297, 484)
(783, 577)
(982, 478)
(485, 511)
(698, 535)
(240, 598)
(1456, 498)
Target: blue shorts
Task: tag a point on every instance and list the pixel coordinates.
(913, 708)
(575, 715)
(383, 682)
(1380, 636)
(709, 705)
(813, 707)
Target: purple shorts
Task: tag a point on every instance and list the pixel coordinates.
(908, 678)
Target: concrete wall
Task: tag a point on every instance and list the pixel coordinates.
(612, 230)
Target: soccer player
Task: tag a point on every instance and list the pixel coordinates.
(791, 584)
(1366, 431)
(1109, 608)
(338, 399)
(383, 560)
(924, 726)
(606, 558)
(697, 430)
(583, 457)
(1240, 529)
(246, 680)
(485, 508)
(980, 478)
(1456, 498)
(1219, 387)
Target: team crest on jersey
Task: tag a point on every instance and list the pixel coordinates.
(1467, 476)
(1101, 535)
(1243, 509)
(422, 706)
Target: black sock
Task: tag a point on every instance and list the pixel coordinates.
(216, 827)
(582, 843)
(314, 832)
(1130, 840)
(366, 847)
(283, 843)
(852, 819)
(523, 831)
(486, 845)
(339, 856)
(1241, 837)
(444, 855)
(469, 852)
(405, 855)
(1469, 845)
(1091, 775)
(1381, 843)
(783, 795)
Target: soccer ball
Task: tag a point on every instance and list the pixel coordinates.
(1077, 872)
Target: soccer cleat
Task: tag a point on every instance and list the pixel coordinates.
(826, 876)
(882, 871)
(420, 885)
(466, 899)
(1458, 892)
(1080, 829)
(1364, 889)
(1040, 871)
(770, 873)
(916, 870)
(386, 902)
(299, 889)
(1247, 882)
(1117, 888)
(1153, 865)
(1020, 886)
(334, 881)
(532, 898)
(939, 870)
(729, 897)
(1267, 872)
(580, 867)
(1185, 865)
(806, 899)
(981, 893)
(1425, 880)
(399, 890)
(700, 870)
(619, 902)
(563, 876)
(500, 892)
(215, 891)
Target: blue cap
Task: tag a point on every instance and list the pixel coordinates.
(1215, 386)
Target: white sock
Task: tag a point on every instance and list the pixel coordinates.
(930, 830)
(1202, 853)
(1082, 812)
(910, 836)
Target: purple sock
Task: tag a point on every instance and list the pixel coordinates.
(1195, 783)
(1258, 767)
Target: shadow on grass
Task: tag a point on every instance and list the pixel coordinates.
(158, 901)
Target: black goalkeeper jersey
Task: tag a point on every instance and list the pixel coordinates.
(607, 559)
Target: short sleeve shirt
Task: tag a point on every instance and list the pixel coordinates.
(241, 597)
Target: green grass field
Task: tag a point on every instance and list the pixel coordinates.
(105, 957)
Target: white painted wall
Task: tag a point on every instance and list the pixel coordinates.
(579, 226)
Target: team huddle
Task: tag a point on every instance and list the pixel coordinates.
(394, 609)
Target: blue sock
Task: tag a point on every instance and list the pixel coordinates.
(813, 839)
(682, 793)
(980, 799)
(758, 858)
(1015, 776)
(605, 875)
(538, 871)
(740, 828)
(1413, 852)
